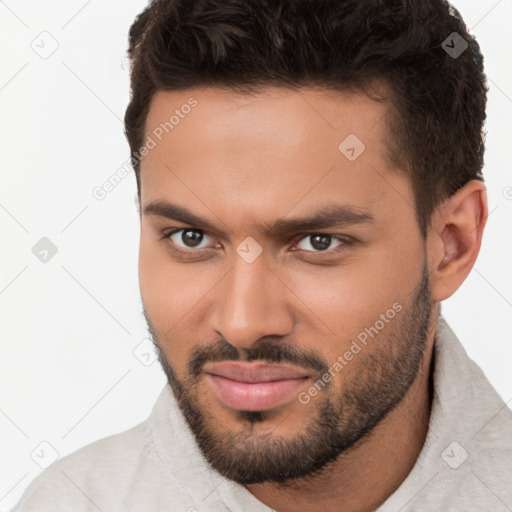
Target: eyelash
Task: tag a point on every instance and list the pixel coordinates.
(191, 253)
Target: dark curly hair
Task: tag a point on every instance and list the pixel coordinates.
(437, 100)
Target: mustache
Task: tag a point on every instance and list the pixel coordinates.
(268, 349)
(265, 351)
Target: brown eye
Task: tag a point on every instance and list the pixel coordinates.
(319, 242)
(187, 238)
(191, 237)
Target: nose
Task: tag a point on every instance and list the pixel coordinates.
(252, 302)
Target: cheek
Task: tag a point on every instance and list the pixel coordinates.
(172, 294)
(153, 281)
(342, 301)
(162, 289)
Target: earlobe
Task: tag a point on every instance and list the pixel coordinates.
(455, 238)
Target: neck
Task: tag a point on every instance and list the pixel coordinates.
(362, 478)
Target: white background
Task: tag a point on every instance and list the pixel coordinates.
(69, 326)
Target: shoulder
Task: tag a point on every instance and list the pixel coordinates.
(105, 470)
(491, 451)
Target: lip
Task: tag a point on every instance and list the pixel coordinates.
(254, 387)
(254, 372)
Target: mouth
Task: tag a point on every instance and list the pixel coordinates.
(254, 387)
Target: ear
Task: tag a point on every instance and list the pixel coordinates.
(454, 238)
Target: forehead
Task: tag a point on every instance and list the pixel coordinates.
(221, 116)
(278, 147)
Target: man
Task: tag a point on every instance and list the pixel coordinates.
(310, 187)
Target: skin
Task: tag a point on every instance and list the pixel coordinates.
(243, 162)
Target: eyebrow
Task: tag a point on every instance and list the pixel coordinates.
(330, 216)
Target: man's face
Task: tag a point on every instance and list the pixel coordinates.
(347, 305)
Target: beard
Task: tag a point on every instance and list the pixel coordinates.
(386, 370)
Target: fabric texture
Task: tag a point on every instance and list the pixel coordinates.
(464, 465)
